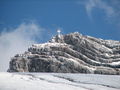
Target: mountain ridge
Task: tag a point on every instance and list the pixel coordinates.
(70, 53)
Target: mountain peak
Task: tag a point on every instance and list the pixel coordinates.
(70, 53)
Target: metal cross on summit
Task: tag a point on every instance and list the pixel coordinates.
(59, 33)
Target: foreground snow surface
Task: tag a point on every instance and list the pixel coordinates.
(58, 81)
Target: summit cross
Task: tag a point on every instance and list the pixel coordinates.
(59, 32)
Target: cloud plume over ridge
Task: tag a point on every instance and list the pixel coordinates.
(17, 41)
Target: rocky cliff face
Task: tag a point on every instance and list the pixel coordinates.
(71, 53)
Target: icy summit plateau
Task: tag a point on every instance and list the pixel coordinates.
(70, 53)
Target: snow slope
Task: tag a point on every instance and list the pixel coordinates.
(58, 81)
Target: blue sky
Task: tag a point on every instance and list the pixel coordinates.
(89, 17)
(25, 22)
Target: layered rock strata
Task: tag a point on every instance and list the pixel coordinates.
(70, 53)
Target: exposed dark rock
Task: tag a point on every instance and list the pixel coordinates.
(71, 53)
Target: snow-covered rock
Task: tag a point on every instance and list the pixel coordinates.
(70, 53)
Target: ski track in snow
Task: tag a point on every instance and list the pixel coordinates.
(58, 81)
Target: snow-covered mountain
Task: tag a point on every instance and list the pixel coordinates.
(70, 53)
(58, 81)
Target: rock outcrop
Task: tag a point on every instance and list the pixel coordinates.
(70, 53)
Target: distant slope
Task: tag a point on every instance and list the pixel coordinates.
(70, 53)
(54, 81)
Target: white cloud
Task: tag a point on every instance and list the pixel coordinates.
(91, 5)
(17, 41)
